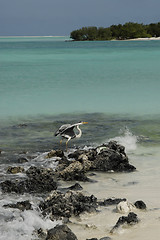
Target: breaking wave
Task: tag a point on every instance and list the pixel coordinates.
(22, 225)
(127, 139)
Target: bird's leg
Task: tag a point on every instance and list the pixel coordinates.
(66, 146)
(60, 143)
(67, 143)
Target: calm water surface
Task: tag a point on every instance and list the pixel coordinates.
(52, 76)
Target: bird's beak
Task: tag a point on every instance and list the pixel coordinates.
(84, 122)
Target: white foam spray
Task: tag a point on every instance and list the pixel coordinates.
(127, 139)
(22, 225)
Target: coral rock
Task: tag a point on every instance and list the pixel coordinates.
(15, 170)
(124, 207)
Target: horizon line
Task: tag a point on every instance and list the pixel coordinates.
(3, 36)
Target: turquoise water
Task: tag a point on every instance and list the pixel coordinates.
(52, 76)
(46, 82)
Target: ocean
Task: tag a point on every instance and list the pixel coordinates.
(114, 86)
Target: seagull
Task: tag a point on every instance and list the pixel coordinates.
(67, 131)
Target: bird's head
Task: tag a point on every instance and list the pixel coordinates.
(80, 123)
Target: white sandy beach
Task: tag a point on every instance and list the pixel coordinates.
(144, 39)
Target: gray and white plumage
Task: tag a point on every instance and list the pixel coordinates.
(67, 131)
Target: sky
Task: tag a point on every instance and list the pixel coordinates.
(61, 17)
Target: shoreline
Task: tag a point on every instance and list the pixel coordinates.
(141, 39)
(104, 187)
(70, 40)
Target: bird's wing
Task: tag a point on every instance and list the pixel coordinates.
(68, 132)
(63, 128)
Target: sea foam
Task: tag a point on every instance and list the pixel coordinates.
(127, 139)
(23, 225)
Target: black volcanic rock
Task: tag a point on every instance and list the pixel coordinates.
(24, 205)
(92, 239)
(112, 157)
(61, 232)
(22, 160)
(106, 158)
(140, 205)
(75, 187)
(65, 205)
(111, 201)
(40, 180)
(104, 238)
(131, 219)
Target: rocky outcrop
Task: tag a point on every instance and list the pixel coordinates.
(24, 205)
(55, 153)
(75, 171)
(131, 219)
(40, 180)
(75, 187)
(60, 205)
(22, 160)
(61, 232)
(140, 205)
(111, 201)
(106, 158)
(76, 166)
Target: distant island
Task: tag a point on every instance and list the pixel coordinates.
(127, 31)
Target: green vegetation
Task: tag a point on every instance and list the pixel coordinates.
(118, 32)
